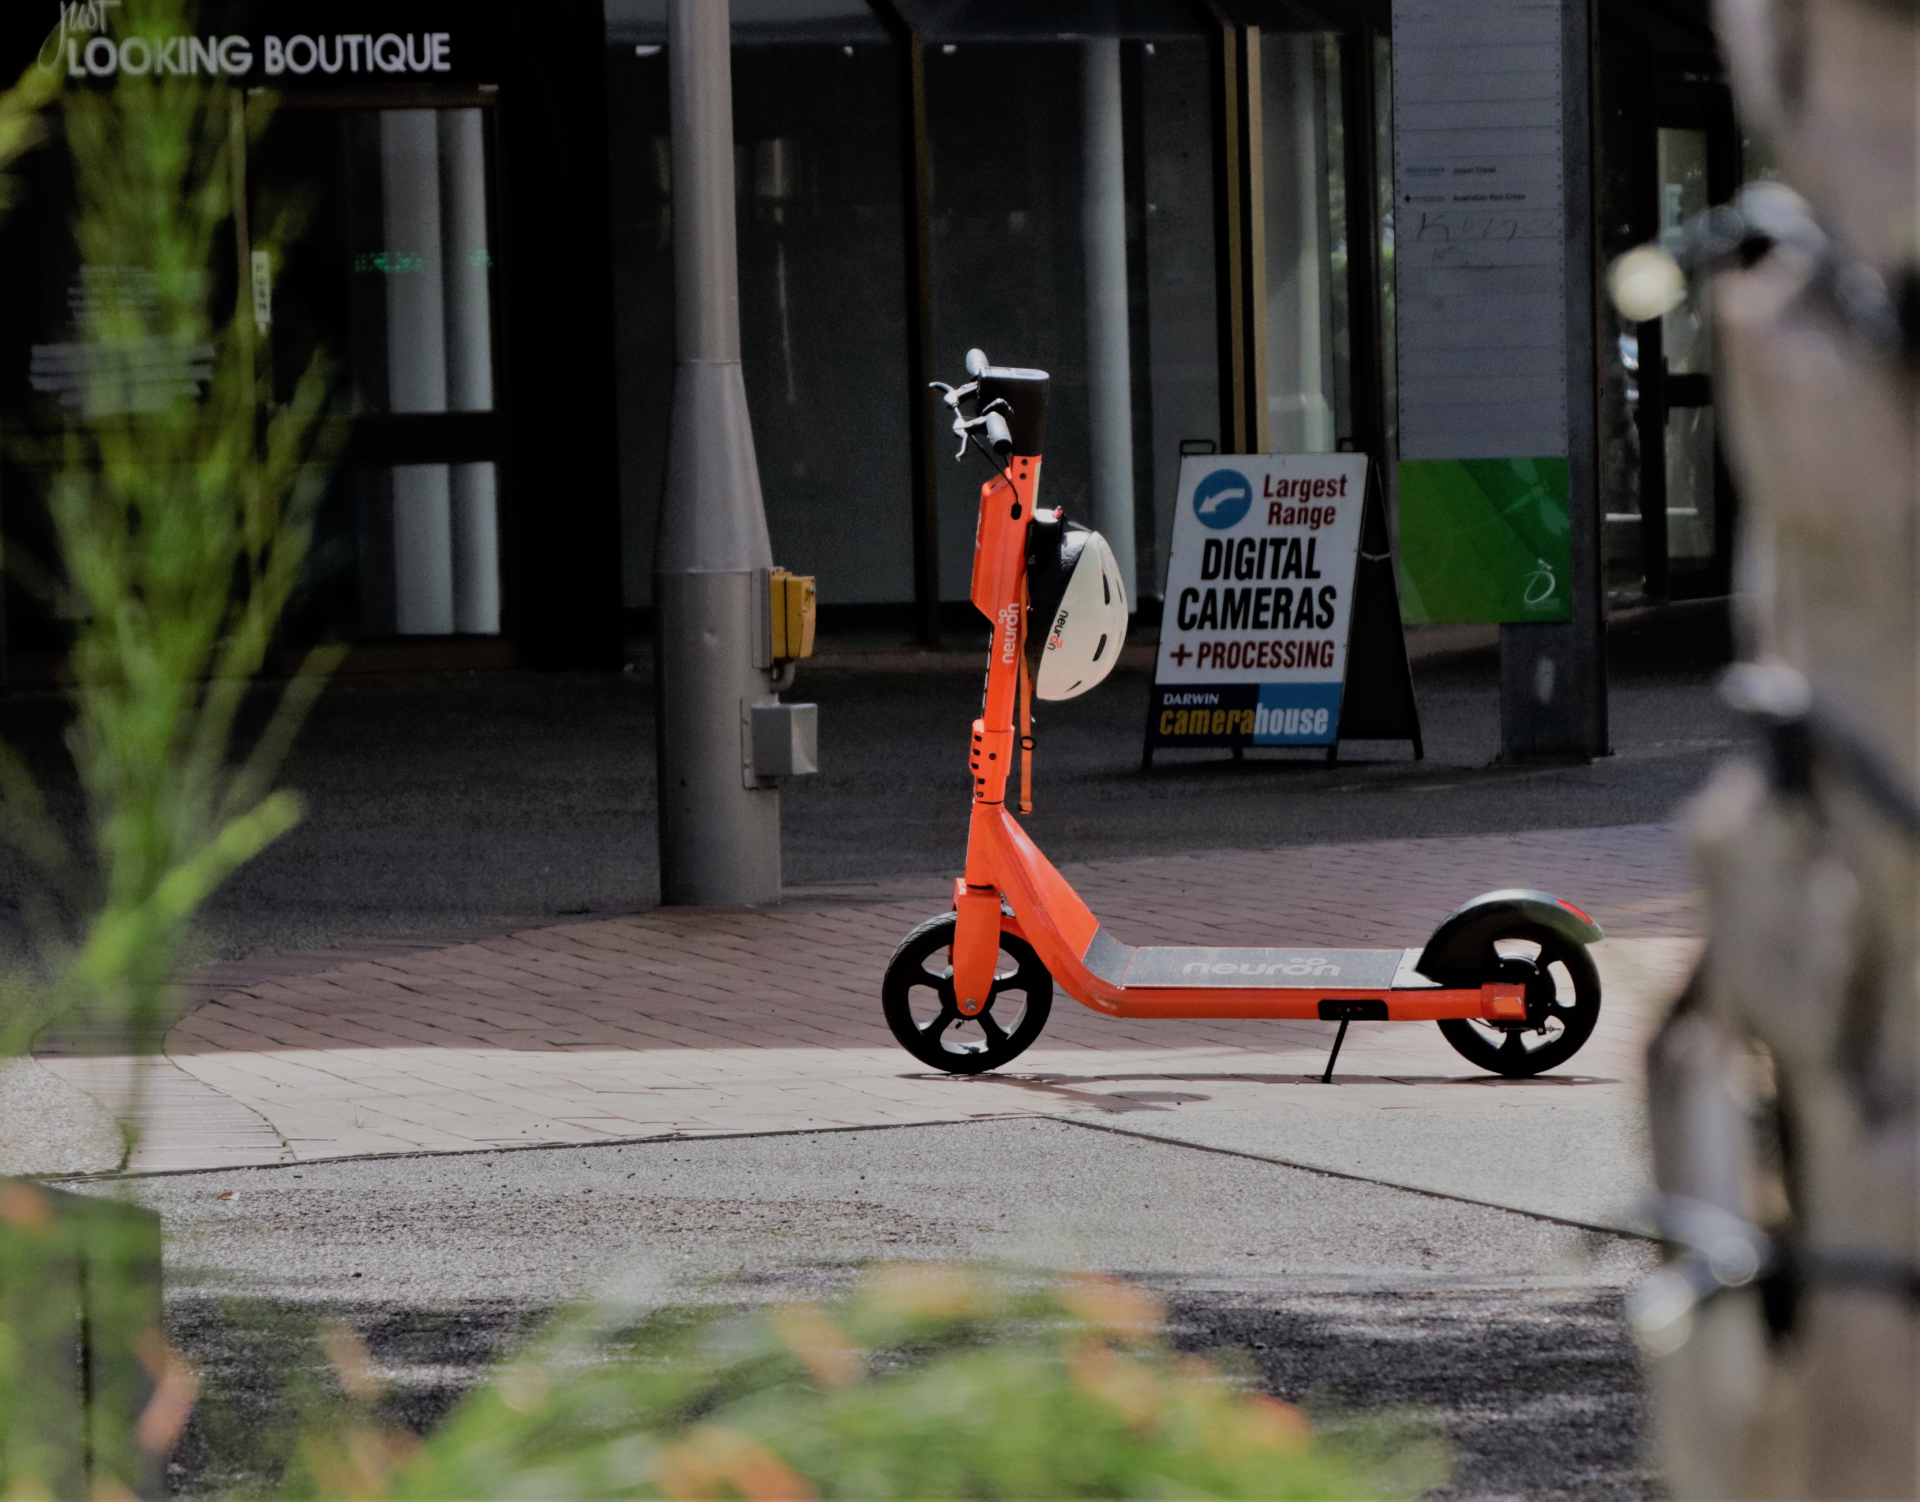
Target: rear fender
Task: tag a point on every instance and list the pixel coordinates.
(1455, 954)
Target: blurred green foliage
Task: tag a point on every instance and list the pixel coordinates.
(927, 1381)
(181, 501)
(91, 1396)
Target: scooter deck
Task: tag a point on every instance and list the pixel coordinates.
(1204, 982)
(1194, 967)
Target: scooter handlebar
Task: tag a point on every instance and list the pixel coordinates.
(1013, 397)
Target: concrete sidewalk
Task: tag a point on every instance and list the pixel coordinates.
(712, 1021)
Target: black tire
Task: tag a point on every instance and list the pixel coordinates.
(917, 996)
(1563, 1004)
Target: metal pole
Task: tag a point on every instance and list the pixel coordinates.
(719, 830)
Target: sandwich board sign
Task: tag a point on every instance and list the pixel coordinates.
(1268, 585)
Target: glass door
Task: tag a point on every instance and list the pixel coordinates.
(1685, 497)
(1073, 229)
(391, 281)
(1319, 205)
(1304, 202)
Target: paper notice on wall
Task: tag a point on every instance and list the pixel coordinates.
(1479, 228)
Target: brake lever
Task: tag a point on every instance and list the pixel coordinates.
(955, 395)
(964, 426)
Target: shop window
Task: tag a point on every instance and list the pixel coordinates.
(1073, 230)
(1308, 408)
(823, 304)
(1668, 149)
(818, 177)
(1178, 277)
(392, 282)
(1687, 346)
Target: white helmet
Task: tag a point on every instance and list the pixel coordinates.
(1085, 623)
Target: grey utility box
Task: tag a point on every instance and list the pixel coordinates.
(784, 740)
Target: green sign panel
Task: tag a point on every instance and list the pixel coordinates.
(1483, 540)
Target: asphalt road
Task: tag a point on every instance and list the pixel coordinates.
(461, 803)
(1503, 1329)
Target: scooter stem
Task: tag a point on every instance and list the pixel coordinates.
(999, 591)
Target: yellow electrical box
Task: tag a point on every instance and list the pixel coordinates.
(793, 612)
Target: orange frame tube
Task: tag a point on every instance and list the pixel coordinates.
(1007, 871)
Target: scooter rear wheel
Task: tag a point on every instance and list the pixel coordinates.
(1563, 1004)
(917, 996)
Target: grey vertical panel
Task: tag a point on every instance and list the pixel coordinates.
(417, 365)
(1182, 312)
(1553, 678)
(465, 257)
(1299, 311)
(422, 550)
(1103, 229)
(476, 549)
(1480, 228)
(469, 336)
(416, 315)
(1009, 262)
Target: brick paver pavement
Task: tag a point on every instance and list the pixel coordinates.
(729, 1021)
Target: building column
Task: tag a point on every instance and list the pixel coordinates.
(417, 369)
(469, 338)
(1103, 228)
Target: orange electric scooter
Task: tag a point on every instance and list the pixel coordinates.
(1507, 976)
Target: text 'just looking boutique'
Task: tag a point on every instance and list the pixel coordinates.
(102, 54)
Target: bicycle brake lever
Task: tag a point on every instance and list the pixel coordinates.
(954, 395)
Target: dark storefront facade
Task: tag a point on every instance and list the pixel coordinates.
(1065, 174)
(1183, 210)
(452, 271)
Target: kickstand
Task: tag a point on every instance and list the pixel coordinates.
(1338, 1039)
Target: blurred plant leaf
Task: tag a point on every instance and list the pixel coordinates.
(926, 1382)
(181, 498)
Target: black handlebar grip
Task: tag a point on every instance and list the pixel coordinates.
(976, 362)
(998, 438)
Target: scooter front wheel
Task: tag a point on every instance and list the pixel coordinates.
(1563, 1004)
(917, 996)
